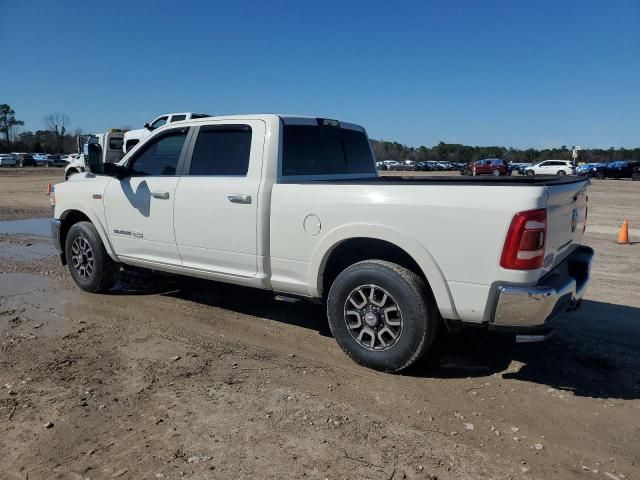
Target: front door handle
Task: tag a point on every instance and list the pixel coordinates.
(160, 195)
(239, 198)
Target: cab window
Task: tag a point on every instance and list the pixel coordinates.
(325, 150)
(160, 156)
(159, 122)
(221, 150)
(178, 118)
(115, 143)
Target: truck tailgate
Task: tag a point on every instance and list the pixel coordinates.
(566, 216)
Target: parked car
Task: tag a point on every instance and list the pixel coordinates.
(7, 160)
(435, 166)
(57, 161)
(489, 166)
(24, 159)
(308, 216)
(424, 166)
(406, 166)
(617, 169)
(446, 166)
(40, 158)
(133, 137)
(520, 167)
(391, 164)
(587, 169)
(552, 167)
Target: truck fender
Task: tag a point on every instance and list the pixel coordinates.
(412, 246)
(95, 219)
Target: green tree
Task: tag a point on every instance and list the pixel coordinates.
(8, 121)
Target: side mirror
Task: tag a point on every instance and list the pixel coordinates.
(115, 170)
(94, 158)
(147, 126)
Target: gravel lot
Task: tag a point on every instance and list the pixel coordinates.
(178, 378)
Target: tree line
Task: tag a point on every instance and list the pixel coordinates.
(55, 137)
(454, 152)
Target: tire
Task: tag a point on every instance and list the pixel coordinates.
(530, 173)
(413, 319)
(95, 271)
(561, 173)
(599, 175)
(635, 176)
(496, 173)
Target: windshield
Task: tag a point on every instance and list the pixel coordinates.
(159, 122)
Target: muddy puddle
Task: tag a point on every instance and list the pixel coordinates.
(21, 283)
(31, 307)
(26, 252)
(30, 226)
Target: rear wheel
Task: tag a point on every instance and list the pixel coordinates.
(382, 315)
(89, 263)
(635, 176)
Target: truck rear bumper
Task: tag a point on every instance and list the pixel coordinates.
(532, 309)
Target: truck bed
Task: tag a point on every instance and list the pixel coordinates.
(490, 181)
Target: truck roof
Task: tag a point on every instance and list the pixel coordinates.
(287, 118)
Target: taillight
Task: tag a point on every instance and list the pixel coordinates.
(524, 245)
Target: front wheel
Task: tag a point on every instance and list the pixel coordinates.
(561, 173)
(496, 173)
(89, 263)
(635, 176)
(599, 175)
(382, 315)
(530, 173)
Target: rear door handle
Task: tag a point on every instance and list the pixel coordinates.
(239, 198)
(160, 195)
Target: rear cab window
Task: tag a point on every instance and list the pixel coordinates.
(325, 149)
(221, 150)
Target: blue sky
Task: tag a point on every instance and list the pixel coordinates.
(516, 73)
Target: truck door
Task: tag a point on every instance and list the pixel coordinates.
(216, 203)
(139, 207)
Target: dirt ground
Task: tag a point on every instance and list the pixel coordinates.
(177, 378)
(23, 191)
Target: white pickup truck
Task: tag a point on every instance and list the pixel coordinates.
(133, 137)
(294, 205)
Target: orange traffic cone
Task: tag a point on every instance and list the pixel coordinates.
(49, 189)
(623, 234)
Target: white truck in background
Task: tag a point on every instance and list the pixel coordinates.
(111, 146)
(294, 205)
(133, 137)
